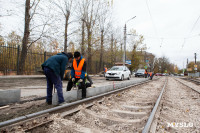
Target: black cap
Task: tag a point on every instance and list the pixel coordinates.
(69, 55)
(77, 54)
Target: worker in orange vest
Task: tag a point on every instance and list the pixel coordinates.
(151, 75)
(105, 70)
(78, 72)
(145, 73)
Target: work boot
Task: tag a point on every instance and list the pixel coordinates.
(49, 103)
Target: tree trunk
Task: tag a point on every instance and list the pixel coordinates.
(25, 37)
(115, 51)
(83, 39)
(101, 52)
(89, 68)
(112, 53)
(66, 28)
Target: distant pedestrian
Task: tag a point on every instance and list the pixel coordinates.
(105, 70)
(78, 72)
(145, 73)
(54, 69)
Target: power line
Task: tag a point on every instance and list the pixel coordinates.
(190, 31)
(194, 24)
(151, 18)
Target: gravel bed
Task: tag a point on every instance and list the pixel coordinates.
(180, 107)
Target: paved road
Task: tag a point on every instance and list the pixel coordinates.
(37, 86)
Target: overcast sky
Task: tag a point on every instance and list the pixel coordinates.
(171, 28)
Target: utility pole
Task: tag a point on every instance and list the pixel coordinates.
(187, 63)
(124, 55)
(195, 57)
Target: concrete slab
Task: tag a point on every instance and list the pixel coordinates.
(9, 96)
(23, 77)
(98, 90)
(77, 94)
(68, 96)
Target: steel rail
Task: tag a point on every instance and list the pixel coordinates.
(67, 105)
(151, 117)
(198, 91)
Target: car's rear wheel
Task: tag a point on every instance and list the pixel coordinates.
(122, 78)
(129, 77)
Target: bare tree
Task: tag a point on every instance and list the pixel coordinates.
(65, 7)
(89, 13)
(105, 17)
(30, 26)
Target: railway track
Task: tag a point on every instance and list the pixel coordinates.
(117, 111)
(179, 110)
(197, 82)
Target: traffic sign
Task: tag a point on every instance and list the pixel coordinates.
(128, 62)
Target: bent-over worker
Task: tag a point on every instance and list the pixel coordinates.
(54, 68)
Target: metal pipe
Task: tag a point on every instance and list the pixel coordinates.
(15, 120)
(150, 120)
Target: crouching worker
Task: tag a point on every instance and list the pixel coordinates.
(54, 68)
(151, 75)
(78, 73)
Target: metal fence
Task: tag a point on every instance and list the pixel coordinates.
(197, 74)
(10, 56)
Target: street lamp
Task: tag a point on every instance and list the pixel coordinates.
(124, 56)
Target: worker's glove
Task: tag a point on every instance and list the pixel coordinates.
(73, 79)
(80, 80)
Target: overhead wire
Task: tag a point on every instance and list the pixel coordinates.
(190, 32)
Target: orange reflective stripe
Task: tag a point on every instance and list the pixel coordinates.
(78, 68)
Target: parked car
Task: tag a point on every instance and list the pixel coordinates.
(133, 73)
(140, 73)
(118, 72)
(158, 74)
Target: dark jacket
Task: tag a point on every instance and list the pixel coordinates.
(83, 69)
(57, 63)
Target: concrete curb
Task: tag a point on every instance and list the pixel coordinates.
(76, 94)
(9, 96)
(23, 77)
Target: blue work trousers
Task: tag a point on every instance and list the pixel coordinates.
(53, 79)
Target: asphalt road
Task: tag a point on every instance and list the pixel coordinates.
(37, 86)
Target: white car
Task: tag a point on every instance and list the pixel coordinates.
(118, 72)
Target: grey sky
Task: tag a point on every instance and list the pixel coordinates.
(164, 24)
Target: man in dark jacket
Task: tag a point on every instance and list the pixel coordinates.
(54, 68)
(78, 72)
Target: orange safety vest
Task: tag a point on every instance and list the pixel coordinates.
(106, 69)
(150, 73)
(78, 68)
(145, 72)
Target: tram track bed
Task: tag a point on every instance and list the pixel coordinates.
(125, 111)
(116, 112)
(180, 108)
